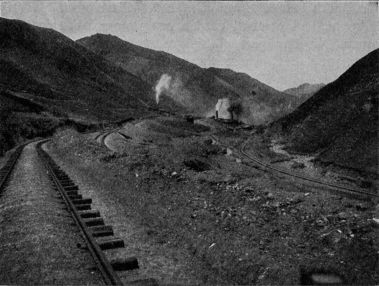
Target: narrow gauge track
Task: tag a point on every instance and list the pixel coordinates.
(6, 171)
(344, 189)
(70, 197)
(102, 136)
(91, 225)
(126, 137)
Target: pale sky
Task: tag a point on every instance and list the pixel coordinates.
(283, 44)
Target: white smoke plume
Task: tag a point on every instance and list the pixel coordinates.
(162, 85)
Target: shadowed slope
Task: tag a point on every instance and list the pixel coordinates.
(48, 65)
(341, 120)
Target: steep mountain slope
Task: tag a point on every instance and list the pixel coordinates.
(305, 90)
(61, 74)
(192, 86)
(188, 79)
(341, 120)
(23, 118)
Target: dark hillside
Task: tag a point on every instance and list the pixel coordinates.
(196, 88)
(341, 120)
(49, 65)
(21, 118)
(47, 81)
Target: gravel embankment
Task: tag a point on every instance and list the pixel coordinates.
(156, 260)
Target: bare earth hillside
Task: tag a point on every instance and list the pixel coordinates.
(340, 121)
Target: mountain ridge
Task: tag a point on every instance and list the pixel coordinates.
(198, 88)
(58, 68)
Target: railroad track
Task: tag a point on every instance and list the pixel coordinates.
(6, 170)
(340, 188)
(102, 137)
(98, 236)
(126, 137)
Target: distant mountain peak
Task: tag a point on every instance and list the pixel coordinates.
(305, 90)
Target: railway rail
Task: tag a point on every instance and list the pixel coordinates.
(79, 209)
(97, 236)
(343, 189)
(6, 170)
(101, 137)
(126, 137)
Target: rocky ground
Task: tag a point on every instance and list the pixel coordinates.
(231, 223)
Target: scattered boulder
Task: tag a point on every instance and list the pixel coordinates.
(229, 179)
(342, 215)
(362, 206)
(322, 221)
(270, 196)
(333, 237)
(295, 201)
(276, 204)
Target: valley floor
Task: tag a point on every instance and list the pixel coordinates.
(194, 213)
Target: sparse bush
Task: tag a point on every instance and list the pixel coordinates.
(236, 108)
(197, 165)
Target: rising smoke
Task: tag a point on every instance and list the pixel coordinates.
(173, 87)
(162, 85)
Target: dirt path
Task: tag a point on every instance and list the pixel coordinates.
(38, 242)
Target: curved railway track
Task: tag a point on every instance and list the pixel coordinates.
(101, 137)
(92, 226)
(340, 188)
